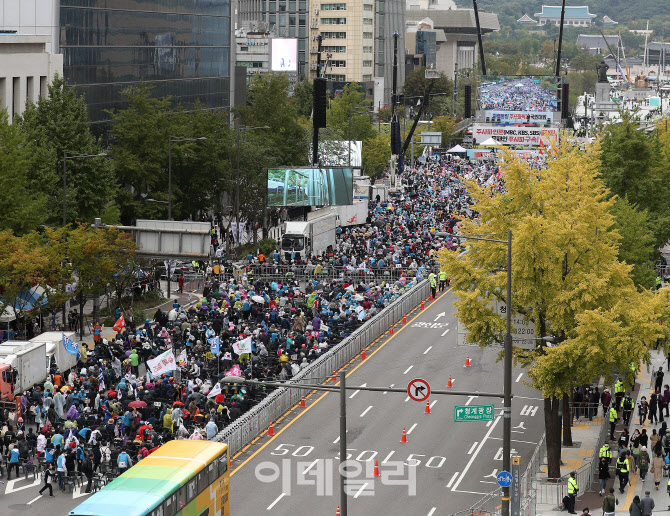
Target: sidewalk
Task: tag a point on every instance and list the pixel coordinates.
(587, 435)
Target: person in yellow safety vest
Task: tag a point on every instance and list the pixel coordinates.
(433, 284)
(606, 452)
(659, 283)
(572, 493)
(443, 280)
(622, 471)
(618, 393)
(613, 419)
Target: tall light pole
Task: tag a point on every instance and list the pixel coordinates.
(170, 140)
(72, 155)
(237, 174)
(507, 368)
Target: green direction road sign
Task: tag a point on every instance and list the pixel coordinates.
(473, 413)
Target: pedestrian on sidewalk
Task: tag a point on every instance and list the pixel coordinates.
(606, 399)
(653, 406)
(585, 512)
(603, 474)
(642, 410)
(572, 493)
(657, 465)
(622, 470)
(47, 476)
(609, 503)
(658, 383)
(643, 463)
(647, 504)
(666, 399)
(613, 419)
(635, 508)
(628, 406)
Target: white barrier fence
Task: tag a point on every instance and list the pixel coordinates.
(251, 424)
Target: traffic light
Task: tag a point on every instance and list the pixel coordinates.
(320, 102)
(468, 101)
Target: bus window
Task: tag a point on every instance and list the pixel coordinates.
(223, 464)
(202, 481)
(191, 490)
(212, 472)
(170, 504)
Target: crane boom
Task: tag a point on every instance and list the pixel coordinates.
(614, 56)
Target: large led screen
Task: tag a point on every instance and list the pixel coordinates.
(284, 55)
(310, 186)
(528, 93)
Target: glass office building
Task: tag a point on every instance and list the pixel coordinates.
(180, 47)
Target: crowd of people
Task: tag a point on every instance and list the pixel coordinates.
(111, 412)
(518, 95)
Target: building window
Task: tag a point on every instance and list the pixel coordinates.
(334, 21)
(338, 64)
(367, 64)
(367, 77)
(367, 35)
(333, 7)
(367, 50)
(367, 7)
(367, 21)
(334, 35)
(334, 49)
(336, 78)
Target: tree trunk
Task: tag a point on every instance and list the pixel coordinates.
(552, 425)
(567, 421)
(81, 315)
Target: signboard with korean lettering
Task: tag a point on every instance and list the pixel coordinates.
(512, 135)
(463, 413)
(518, 117)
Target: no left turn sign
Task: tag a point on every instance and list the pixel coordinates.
(418, 389)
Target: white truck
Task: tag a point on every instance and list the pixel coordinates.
(308, 238)
(56, 351)
(347, 215)
(22, 365)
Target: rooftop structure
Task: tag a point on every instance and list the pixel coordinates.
(574, 15)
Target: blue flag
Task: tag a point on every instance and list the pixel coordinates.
(214, 343)
(70, 347)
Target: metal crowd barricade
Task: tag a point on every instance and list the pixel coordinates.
(251, 424)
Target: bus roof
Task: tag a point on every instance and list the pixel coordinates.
(148, 483)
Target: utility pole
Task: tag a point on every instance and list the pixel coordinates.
(479, 37)
(343, 442)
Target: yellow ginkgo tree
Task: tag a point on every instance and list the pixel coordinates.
(566, 280)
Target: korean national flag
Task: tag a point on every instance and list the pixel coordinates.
(214, 343)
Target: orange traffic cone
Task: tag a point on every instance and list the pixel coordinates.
(271, 431)
(421, 305)
(427, 411)
(337, 513)
(334, 376)
(391, 330)
(403, 439)
(363, 355)
(302, 402)
(449, 384)
(431, 297)
(467, 361)
(376, 473)
(404, 319)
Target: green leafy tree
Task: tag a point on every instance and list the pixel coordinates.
(416, 85)
(376, 154)
(23, 207)
(302, 97)
(349, 115)
(566, 279)
(58, 123)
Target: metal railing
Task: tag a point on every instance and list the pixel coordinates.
(251, 424)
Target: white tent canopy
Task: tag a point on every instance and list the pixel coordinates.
(491, 142)
(457, 149)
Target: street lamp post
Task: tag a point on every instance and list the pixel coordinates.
(72, 155)
(507, 367)
(170, 140)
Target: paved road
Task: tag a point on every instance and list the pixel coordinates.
(452, 464)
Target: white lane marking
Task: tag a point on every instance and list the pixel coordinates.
(445, 332)
(442, 314)
(432, 511)
(35, 499)
(470, 398)
(529, 410)
(489, 423)
(433, 403)
(474, 455)
(388, 457)
(360, 490)
(453, 478)
(513, 440)
(310, 466)
(407, 399)
(429, 348)
(390, 386)
(411, 428)
(356, 392)
(336, 440)
(519, 377)
(528, 398)
(472, 448)
(471, 492)
(275, 502)
(366, 410)
(407, 370)
(488, 482)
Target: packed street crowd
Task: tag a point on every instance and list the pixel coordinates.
(109, 413)
(518, 95)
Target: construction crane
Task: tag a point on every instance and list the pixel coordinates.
(626, 75)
